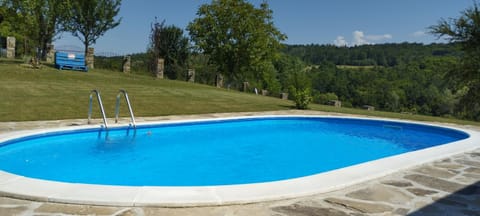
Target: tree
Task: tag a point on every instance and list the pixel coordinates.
(204, 70)
(48, 15)
(169, 43)
(91, 19)
(36, 20)
(239, 38)
(6, 17)
(465, 30)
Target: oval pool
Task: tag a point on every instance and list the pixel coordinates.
(225, 152)
(216, 161)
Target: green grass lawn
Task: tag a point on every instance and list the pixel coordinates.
(49, 94)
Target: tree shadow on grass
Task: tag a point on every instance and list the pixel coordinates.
(462, 202)
(10, 61)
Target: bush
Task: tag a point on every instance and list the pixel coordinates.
(302, 98)
(300, 89)
(324, 98)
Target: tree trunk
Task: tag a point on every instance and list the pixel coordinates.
(85, 44)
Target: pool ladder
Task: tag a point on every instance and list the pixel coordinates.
(117, 107)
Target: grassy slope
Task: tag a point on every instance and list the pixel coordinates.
(47, 93)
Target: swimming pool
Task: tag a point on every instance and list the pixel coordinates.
(236, 152)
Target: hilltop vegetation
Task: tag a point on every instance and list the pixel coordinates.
(386, 55)
(392, 77)
(414, 83)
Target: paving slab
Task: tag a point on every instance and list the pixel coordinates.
(379, 193)
(362, 207)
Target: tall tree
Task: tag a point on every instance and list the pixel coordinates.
(465, 30)
(48, 15)
(6, 17)
(169, 43)
(239, 38)
(91, 19)
(36, 20)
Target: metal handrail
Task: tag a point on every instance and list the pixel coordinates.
(117, 107)
(99, 99)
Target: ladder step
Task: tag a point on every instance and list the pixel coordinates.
(117, 107)
(99, 99)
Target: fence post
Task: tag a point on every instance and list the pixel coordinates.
(50, 53)
(160, 68)
(219, 81)
(191, 75)
(126, 64)
(10, 47)
(246, 86)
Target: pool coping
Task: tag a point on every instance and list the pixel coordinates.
(49, 191)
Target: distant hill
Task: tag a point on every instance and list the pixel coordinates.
(387, 55)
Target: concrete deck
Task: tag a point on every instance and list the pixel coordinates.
(449, 186)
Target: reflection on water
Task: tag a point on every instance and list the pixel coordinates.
(115, 140)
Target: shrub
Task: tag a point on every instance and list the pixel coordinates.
(302, 97)
(300, 89)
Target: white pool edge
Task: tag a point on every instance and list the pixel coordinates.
(49, 191)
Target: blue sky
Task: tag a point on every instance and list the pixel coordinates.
(341, 22)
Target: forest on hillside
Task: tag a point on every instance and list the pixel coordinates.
(406, 77)
(387, 55)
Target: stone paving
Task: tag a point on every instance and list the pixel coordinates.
(450, 186)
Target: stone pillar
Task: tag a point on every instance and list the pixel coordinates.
(126, 64)
(10, 47)
(284, 96)
(219, 81)
(191, 75)
(264, 92)
(369, 108)
(160, 68)
(50, 54)
(90, 59)
(245, 86)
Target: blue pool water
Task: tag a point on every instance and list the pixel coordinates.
(221, 152)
